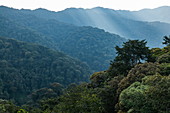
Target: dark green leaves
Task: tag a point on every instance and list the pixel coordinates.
(132, 52)
(166, 40)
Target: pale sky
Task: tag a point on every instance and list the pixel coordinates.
(57, 5)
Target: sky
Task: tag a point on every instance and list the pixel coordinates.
(58, 5)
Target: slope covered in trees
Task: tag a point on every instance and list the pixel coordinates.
(90, 45)
(11, 29)
(144, 89)
(35, 75)
(25, 68)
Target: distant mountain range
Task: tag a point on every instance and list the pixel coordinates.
(90, 45)
(66, 47)
(68, 30)
(150, 15)
(149, 24)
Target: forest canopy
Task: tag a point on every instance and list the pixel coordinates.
(26, 67)
(143, 89)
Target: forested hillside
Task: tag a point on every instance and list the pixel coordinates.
(48, 66)
(90, 45)
(143, 88)
(11, 29)
(25, 68)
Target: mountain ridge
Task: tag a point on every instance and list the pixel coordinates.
(59, 35)
(124, 23)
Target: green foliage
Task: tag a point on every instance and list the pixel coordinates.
(92, 45)
(165, 69)
(149, 96)
(166, 40)
(159, 54)
(105, 87)
(138, 92)
(28, 70)
(22, 111)
(98, 78)
(118, 68)
(26, 67)
(79, 100)
(165, 58)
(131, 53)
(54, 90)
(8, 107)
(133, 95)
(137, 73)
(48, 105)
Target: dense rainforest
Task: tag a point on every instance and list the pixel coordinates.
(53, 62)
(26, 67)
(135, 84)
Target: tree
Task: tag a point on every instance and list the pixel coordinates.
(166, 40)
(131, 53)
(79, 100)
(151, 95)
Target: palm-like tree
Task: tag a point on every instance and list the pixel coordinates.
(166, 40)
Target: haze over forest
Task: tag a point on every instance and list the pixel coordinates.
(84, 60)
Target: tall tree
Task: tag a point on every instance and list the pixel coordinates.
(166, 40)
(131, 53)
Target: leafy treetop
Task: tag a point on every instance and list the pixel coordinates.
(166, 40)
(131, 53)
